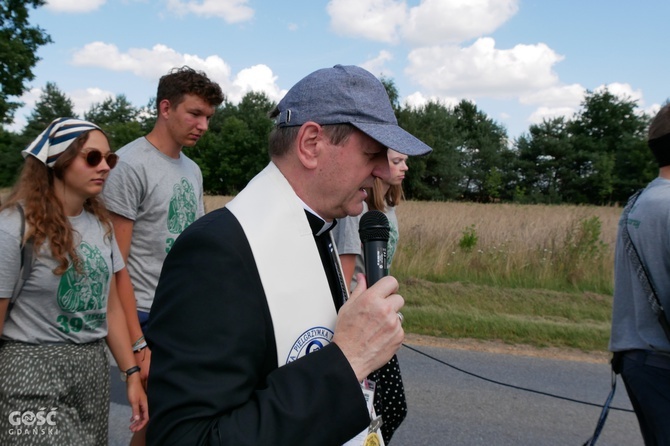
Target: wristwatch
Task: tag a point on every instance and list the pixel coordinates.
(130, 371)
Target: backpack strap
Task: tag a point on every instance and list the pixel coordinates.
(27, 253)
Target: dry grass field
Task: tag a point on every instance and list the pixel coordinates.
(501, 224)
(442, 224)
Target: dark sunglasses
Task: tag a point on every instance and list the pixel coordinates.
(94, 157)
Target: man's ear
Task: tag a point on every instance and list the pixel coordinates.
(164, 107)
(309, 144)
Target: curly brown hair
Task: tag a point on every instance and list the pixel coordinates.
(45, 217)
(185, 80)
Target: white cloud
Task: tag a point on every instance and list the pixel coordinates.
(376, 64)
(652, 110)
(84, 99)
(232, 11)
(149, 63)
(76, 6)
(417, 99)
(482, 70)
(442, 21)
(556, 96)
(376, 20)
(292, 26)
(157, 61)
(257, 78)
(432, 22)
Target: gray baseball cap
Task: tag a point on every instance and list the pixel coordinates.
(347, 95)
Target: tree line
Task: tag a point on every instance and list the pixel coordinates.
(599, 156)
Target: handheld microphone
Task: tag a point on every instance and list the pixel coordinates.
(374, 232)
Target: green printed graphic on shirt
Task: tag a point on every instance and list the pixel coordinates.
(84, 292)
(392, 243)
(183, 207)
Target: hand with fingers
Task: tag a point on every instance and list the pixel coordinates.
(369, 325)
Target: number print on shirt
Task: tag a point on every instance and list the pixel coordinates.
(84, 291)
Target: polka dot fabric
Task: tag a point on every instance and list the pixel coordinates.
(389, 397)
(69, 380)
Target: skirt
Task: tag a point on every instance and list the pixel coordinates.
(55, 394)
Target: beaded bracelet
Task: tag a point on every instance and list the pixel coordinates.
(138, 342)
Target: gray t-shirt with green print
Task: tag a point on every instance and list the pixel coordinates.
(59, 309)
(162, 195)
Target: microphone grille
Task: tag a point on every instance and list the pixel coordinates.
(374, 226)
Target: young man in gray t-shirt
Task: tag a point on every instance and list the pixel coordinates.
(156, 192)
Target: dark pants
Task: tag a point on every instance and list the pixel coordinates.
(143, 317)
(646, 376)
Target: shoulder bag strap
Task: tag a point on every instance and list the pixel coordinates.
(641, 271)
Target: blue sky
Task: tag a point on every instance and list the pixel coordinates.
(519, 60)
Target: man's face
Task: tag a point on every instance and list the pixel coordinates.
(348, 169)
(189, 120)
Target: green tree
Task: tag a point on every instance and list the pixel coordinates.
(118, 118)
(112, 111)
(10, 157)
(435, 176)
(544, 165)
(609, 134)
(482, 144)
(392, 91)
(235, 147)
(147, 115)
(18, 52)
(52, 104)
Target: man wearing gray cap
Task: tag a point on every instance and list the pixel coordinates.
(640, 338)
(255, 341)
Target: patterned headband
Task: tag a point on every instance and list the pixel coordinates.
(53, 141)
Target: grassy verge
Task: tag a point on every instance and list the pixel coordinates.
(540, 318)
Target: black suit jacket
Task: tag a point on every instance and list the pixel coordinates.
(214, 377)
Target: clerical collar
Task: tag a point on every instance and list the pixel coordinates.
(318, 225)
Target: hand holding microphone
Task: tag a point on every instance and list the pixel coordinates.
(374, 231)
(368, 329)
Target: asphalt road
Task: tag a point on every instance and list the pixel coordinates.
(448, 406)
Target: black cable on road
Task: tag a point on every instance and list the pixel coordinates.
(513, 386)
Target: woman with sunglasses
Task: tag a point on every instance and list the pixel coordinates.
(54, 369)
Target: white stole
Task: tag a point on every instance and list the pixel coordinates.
(289, 264)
